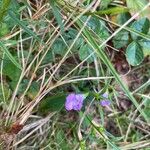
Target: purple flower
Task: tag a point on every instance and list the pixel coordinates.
(105, 101)
(74, 101)
(105, 95)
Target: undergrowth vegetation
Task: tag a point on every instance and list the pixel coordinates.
(75, 74)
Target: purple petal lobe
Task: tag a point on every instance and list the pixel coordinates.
(105, 103)
(70, 101)
(74, 101)
(105, 95)
(78, 102)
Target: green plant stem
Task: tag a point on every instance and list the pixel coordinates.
(112, 11)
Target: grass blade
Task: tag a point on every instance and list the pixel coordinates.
(112, 11)
(57, 14)
(9, 55)
(21, 24)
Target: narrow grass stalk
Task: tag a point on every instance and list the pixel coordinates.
(2, 84)
(146, 84)
(9, 55)
(23, 26)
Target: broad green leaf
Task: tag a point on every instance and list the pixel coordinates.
(84, 52)
(142, 26)
(123, 18)
(70, 34)
(3, 29)
(134, 54)
(145, 44)
(147, 111)
(33, 90)
(10, 69)
(77, 44)
(102, 31)
(121, 39)
(98, 26)
(69, 38)
(93, 23)
(48, 58)
(59, 47)
(52, 103)
(31, 93)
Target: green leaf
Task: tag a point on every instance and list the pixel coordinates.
(3, 29)
(102, 31)
(104, 3)
(52, 103)
(57, 14)
(3, 9)
(70, 36)
(136, 6)
(61, 139)
(23, 26)
(5, 93)
(77, 44)
(9, 55)
(112, 11)
(17, 8)
(10, 69)
(147, 111)
(145, 44)
(10, 42)
(59, 47)
(48, 58)
(121, 39)
(147, 108)
(142, 26)
(84, 52)
(33, 90)
(123, 18)
(98, 26)
(134, 54)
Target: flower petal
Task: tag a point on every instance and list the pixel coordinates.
(105, 103)
(78, 102)
(105, 95)
(70, 100)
